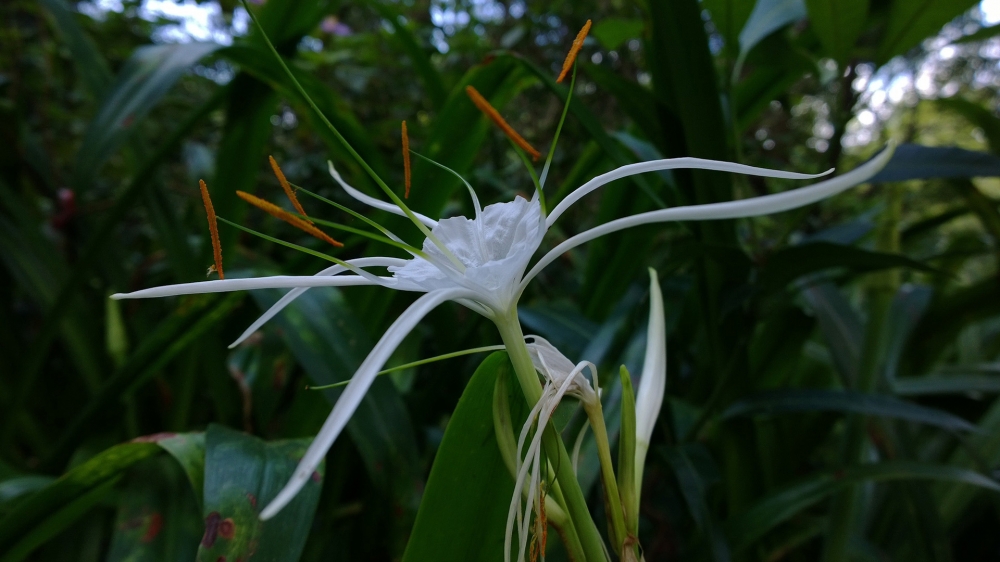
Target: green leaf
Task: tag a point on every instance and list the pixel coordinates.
(729, 17)
(915, 162)
(838, 23)
(188, 449)
(767, 17)
(419, 58)
(813, 400)
(777, 507)
(38, 517)
(980, 35)
(143, 81)
(612, 32)
(911, 21)
(788, 264)
(952, 380)
(840, 326)
(694, 489)
(243, 474)
(463, 513)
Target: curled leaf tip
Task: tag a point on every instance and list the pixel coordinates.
(494, 115)
(574, 50)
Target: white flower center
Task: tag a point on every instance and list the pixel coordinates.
(495, 249)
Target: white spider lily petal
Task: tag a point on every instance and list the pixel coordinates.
(354, 392)
(373, 202)
(228, 285)
(556, 367)
(652, 385)
(298, 291)
(670, 164)
(752, 207)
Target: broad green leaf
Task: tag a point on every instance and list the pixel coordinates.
(188, 449)
(243, 474)
(777, 507)
(911, 21)
(838, 23)
(812, 400)
(788, 264)
(463, 513)
(951, 380)
(158, 519)
(38, 517)
(612, 32)
(767, 17)
(908, 306)
(407, 40)
(561, 323)
(915, 162)
(13, 488)
(143, 81)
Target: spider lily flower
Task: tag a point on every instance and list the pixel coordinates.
(653, 383)
(492, 252)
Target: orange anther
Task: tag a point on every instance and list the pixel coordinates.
(574, 50)
(406, 161)
(499, 121)
(278, 212)
(288, 189)
(213, 228)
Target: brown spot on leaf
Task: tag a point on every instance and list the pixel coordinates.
(211, 529)
(153, 528)
(227, 529)
(154, 438)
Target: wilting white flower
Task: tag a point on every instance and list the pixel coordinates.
(480, 263)
(562, 378)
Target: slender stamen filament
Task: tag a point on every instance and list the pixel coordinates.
(499, 121)
(417, 364)
(288, 189)
(406, 161)
(213, 228)
(278, 212)
(574, 50)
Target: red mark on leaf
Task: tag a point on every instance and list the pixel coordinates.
(253, 499)
(316, 477)
(227, 529)
(211, 529)
(153, 528)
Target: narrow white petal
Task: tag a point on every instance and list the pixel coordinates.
(755, 206)
(372, 202)
(669, 164)
(354, 392)
(652, 385)
(227, 285)
(298, 291)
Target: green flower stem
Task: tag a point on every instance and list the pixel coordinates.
(595, 413)
(576, 505)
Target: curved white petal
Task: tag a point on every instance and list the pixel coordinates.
(755, 206)
(272, 282)
(354, 392)
(298, 291)
(653, 383)
(372, 202)
(669, 164)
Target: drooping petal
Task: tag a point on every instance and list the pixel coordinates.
(377, 203)
(752, 207)
(652, 385)
(298, 291)
(354, 392)
(249, 284)
(669, 164)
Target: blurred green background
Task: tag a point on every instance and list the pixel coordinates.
(833, 375)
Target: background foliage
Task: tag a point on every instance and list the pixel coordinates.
(832, 381)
